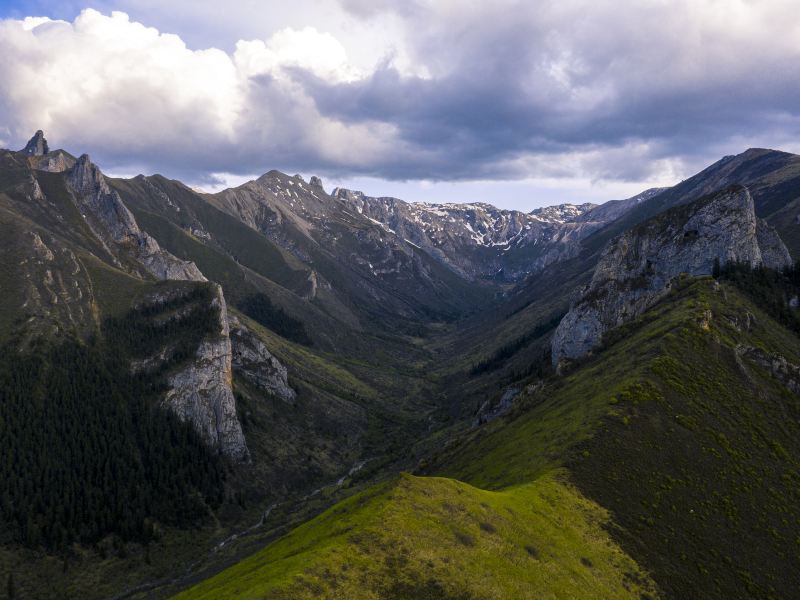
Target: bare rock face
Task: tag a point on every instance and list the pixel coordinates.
(780, 368)
(201, 393)
(42, 159)
(256, 364)
(479, 241)
(637, 268)
(115, 225)
(36, 146)
(57, 161)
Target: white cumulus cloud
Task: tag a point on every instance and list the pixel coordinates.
(137, 95)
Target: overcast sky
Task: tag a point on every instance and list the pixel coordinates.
(520, 104)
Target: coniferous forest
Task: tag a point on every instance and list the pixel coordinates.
(772, 290)
(87, 451)
(260, 308)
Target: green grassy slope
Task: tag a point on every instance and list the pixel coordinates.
(691, 447)
(430, 537)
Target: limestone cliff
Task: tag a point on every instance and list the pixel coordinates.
(636, 269)
(255, 363)
(36, 146)
(201, 393)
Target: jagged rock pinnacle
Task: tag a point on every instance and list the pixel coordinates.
(37, 145)
(315, 181)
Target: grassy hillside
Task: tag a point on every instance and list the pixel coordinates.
(673, 449)
(432, 537)
(692, 446)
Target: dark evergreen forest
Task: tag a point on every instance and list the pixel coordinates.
(771, 290)
(86, 449)
(260, 308)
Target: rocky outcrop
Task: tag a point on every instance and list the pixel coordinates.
(57, 161)
(490, 410)
(256, 364)
(201, 393)
(636, 269)
(36, 146)
(776, 365)
(41, 158)
(116, 227)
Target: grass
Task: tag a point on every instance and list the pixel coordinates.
(693, 450)
(113, 289)
(230, 236)
(433, 537)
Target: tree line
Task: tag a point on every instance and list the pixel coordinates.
(772, 290)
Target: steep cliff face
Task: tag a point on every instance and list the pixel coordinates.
(255, 363)
(636, 269)
(36, 146)
(40, 156)
(57, 289)
(201, 392)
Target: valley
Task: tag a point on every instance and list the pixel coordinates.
(320, 394)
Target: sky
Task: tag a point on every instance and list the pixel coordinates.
(520, 104)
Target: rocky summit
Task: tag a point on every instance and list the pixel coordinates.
(639, 267)
(36, 146)
(277, 391)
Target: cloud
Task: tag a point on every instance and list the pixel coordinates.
(424, 90)
(138, 97)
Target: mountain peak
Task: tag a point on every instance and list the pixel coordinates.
(37, 145)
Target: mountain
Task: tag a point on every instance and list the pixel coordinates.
(359, 259)
(479, 241)
(638, 268)
(771, 176)
(663, 466)
(192, 379)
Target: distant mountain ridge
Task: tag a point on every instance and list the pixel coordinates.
(480, 241)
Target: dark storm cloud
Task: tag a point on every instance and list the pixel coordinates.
(510, 88)
(599, 90)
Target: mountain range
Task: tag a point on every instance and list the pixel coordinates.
(278, 392)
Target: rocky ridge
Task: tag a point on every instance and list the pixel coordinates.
(114, 224)
(343, 250)
(636, 268)
(480, 241)
(257, 364)
(36, 146)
